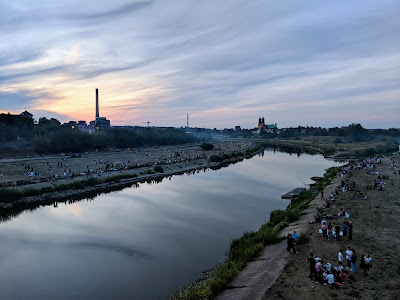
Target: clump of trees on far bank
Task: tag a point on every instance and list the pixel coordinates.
(66, 139)
(207, 146)
(50, 136)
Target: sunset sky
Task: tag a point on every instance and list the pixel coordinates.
(226, 63)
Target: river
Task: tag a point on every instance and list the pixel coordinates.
(145, 242)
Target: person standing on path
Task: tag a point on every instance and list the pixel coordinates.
(367, 261)
(362, 263)
(295, 237)
(350, 229)
(313, 271)
(337, 232)
(324, 230)
(340, 256)
(345, 227)
(353, 262)
(290, 243)
(330, 231)
(349, 253)
(322, 194)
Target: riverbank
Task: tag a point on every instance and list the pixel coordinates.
(331, 149)
(375, 222)
(245, 250)
(43, 191)
(276, 274)
(261, 273)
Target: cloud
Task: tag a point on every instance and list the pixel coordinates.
(223, 64)
(73, 55)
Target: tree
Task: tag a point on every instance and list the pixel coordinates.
(207, 146)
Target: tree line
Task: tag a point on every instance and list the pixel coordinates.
(50, 136)
(66, 139)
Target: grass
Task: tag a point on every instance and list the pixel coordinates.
(12, 194)
(249, 246)
(327, 147)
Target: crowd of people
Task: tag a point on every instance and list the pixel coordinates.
(60, 168)
(339, 274)
(349, 262)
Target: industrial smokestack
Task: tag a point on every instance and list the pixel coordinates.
(97, 103)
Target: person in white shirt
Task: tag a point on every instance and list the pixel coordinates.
(367, 260)
(330, 278)
(349, 253)
(340, 256)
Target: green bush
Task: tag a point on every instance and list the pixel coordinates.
(303, 239)
(227, 156)
(277, 216)
(150, 171)
(216, 158)
(10, 194)
(207, 146)
(158, 169)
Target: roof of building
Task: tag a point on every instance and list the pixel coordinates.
(26, 114)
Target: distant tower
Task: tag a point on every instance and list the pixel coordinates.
(97, 103)
(187, 123)
(260, 123)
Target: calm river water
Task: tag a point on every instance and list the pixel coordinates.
(143, 243)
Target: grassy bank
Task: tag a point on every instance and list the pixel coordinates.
(249, 246)
(10, 195)
(328, 148)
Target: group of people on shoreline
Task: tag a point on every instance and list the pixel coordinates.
(339, 275)
(347, 261)
(59, 169)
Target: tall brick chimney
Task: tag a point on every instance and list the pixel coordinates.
(97, 103)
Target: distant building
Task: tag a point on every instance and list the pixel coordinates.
(27, 114)
(237, 128)
(99, 122)
(71, 123)
(82, 126)
(266, 127)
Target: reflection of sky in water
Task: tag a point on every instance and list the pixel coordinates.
(143, 243)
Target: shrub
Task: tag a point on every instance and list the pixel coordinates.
(207, 146)
(303, 239)
(150, 171)
(216, 158)
(158, 169)
(223, 276)
(227, 156)
(10, 194)
(277, 216)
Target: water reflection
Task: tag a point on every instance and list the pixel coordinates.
(142, 243)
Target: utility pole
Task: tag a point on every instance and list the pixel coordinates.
(148, 122)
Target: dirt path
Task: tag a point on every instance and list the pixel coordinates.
(259, 275)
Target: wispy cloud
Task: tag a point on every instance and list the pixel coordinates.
(225, 64)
